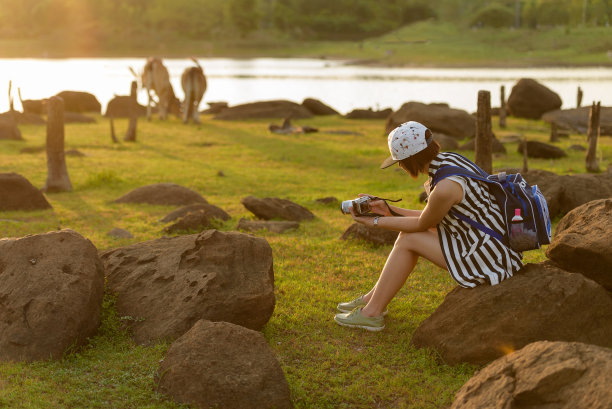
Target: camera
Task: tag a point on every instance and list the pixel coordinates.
(361, 205)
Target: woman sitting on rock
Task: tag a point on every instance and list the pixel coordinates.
(471, 256)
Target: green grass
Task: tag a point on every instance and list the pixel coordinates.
(327, 366)
(427, 43)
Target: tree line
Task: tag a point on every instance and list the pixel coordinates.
(291, 19)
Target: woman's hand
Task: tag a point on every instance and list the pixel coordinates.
(378, 206)
(365, 220)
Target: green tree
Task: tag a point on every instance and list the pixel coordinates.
(243, 15)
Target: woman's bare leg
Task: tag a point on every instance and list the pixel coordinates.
(400, 263)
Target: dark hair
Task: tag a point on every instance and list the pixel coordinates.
(419, 162)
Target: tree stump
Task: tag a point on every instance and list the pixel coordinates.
(484, 144)
(592, 164)
(502, 107)
(112, 130)
(554, 133)
(130, 135)
(57, 173)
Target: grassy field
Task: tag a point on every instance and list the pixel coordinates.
(422, 44)
(327, 366)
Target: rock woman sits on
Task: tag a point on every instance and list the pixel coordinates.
(469, 255)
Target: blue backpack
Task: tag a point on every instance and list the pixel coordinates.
(513, 194)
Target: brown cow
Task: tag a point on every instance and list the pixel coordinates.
(193, 82)
(155, 78)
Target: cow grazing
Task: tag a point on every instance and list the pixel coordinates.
(155, 78)
(193, 82)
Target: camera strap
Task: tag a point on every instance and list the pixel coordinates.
(388, 207)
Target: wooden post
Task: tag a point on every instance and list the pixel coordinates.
(130, 135)
(10, 97)
(112, 130)
(525, 167)
(502, 107)
(579, 98)
(592, 164)
(484, 137)
(554, 134)
(57, 173)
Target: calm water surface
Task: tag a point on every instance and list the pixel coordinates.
(344, 87)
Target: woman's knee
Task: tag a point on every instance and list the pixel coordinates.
(406, 241)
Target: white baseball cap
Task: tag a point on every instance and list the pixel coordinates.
(406, 140)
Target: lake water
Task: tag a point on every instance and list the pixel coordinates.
(338, 84)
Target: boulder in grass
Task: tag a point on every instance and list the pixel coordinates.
(329, 200)
(551, 375)
(9, 131)
(222, 365)
(17, 193)
(373, 235)
(79, 101)
(566, 192)
(540, 302)
(196, 220)
(215, 107)
(119, 107)
(51, 288)
(437, 117)
(541, 150)
(530, 99)
(273, 226)
(275, 208)
(447, 143)
(318, 108)
(577, 119)
(212, 211)
(497, 146)
(78, 118)
(118, 233)
(369, 114)
(169, 284)
(583, 242)
(168, 194)
(264, 109)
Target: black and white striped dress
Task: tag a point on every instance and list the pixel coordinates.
(474, 257)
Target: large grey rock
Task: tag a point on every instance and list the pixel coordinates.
(270, 225)
(264, 109)
(373, 235)
(162, 194)
(541, 150)
(275, 208)
(119, 107)
(9, 131)
(318, 108)
(577, 119)
(222, 365)
(212, 211)
(583, 242)
(540, 302)
(17, 193)
(79, 101)
(566, 192)
(530, 99)
(168, 284)
(438, 118)
(369, 114)
(51, 288)
(551, 375)
(496, 145)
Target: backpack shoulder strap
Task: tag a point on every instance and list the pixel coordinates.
(449, 170)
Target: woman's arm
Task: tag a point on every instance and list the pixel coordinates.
(445, 195)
